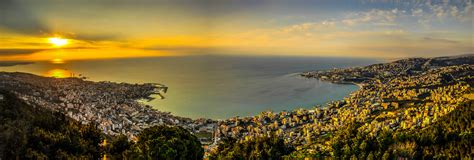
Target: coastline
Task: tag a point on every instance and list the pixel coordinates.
(13, 63)
(343, 82)
(255, 84)
(388, 97)
(114, 106)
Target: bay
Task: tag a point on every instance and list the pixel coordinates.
(214, 86)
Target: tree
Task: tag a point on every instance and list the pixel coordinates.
(166, 142)
(363, 146)
(370, 156)
(118, 146)
(346, 150)
(36, 132)
(386, 156)
(353, 157)
(267, 147)
(28, 132)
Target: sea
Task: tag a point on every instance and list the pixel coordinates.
(216, 86)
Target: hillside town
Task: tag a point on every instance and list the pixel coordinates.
(402, 95)
(114, 107)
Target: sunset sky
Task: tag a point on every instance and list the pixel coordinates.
(135, 28)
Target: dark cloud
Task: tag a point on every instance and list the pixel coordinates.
(88, 37)
(95, 37)
(11, 52)
(208, 8)
(18, 17)
(22, 51)
(13, 63)
(14, 16)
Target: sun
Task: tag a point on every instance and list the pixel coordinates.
(58, 41)
(59, 73)
(57, 61)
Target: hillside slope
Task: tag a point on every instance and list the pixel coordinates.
(29, 132)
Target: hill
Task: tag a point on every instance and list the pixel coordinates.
(411, 108)
(31, 132)
(36, 132)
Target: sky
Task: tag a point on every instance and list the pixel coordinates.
(98, 29)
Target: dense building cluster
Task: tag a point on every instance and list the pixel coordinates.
(112, 106)
(403, 95)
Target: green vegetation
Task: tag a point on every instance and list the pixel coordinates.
(423, 116)
(29, 132)
(118, 146)
(415, 108)
(266, 147)
(165, 142)
(448, 138)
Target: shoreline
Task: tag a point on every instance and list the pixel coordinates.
(388, 99)
(115, 108)
(342, 82)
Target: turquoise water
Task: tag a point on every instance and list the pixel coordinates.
(217, 86)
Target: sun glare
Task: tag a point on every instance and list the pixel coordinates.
(57, 41)
(57, 61)
(58, 73)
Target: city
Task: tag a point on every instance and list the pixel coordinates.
(114, 107)
(236, 79)
(402, 95)
(400, 100)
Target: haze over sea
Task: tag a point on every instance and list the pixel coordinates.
(216, 86)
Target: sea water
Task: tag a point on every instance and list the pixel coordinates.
(216, 86)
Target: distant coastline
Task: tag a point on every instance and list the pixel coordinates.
(342, 82)
(13, 63)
